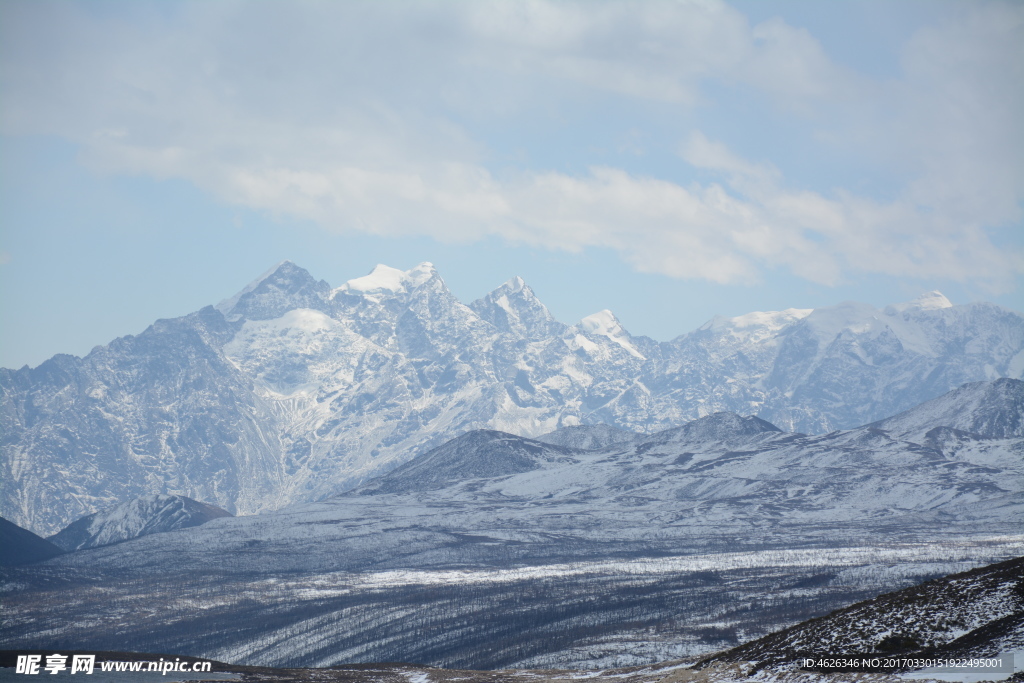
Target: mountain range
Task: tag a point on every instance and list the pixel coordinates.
(295, 391)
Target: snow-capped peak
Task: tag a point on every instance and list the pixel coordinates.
(929, 301)
(516, 284)
(605, 324)
(758, 325)
(387, 279)
(149, 514)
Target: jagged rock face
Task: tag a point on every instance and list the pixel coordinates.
(293, 391)
(161, 411)
(151, 514)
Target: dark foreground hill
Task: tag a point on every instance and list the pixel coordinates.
(21, 546)
(973, 614)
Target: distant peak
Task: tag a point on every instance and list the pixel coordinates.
(285, 269)
(763, 322)
(387, 279)
(929, 301)
(515, 284)
(932, 300)
(603, 322)
(513, 307)
(421, 273)
(718, 426)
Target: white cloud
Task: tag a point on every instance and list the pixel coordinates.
(347, 114)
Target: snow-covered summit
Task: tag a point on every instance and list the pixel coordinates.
(514, 284)
(756, 326)
(387, 279)
(929, 301)
(226, 305)
(605, 324)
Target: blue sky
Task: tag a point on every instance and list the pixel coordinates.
(669, 161)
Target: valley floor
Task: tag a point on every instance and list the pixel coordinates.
(579, 615)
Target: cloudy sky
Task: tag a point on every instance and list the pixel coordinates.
(668, 160)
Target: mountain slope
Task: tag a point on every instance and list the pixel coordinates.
(150, 514)
(147, 413)
(994, 410)
(292, 391)
(481, 454)
(588, 437)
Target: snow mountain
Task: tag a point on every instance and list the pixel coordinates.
(295, 391)
(150, 514)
